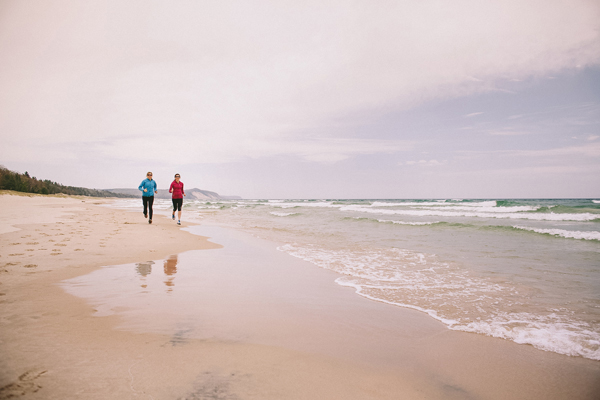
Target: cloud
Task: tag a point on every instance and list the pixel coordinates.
(567, 153)
(588, 150)
(424, 163)
(473, 114)
(225, 81)
(507, 132)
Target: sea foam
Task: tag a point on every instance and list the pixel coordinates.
(591, 235)
(475, 213)
(278, 214)
(454, 296)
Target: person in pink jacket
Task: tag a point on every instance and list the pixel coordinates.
(178, 193)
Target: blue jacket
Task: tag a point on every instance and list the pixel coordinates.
(148, 184)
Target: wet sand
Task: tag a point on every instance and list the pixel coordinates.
(264, 325)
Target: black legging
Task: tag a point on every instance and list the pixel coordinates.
(148, 201)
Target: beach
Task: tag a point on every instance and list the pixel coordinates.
(96, 303)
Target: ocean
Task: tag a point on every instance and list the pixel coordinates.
(525, 270)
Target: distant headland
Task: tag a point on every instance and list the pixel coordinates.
(198, 194)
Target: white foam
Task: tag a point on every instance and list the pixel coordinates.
(437, 203)
(549, 333)
(589, 235)
(485, 209)
(454, 296)
(306, 204)
(408, 223)
(278, 214)
(443, 213)
(204, 207)
(596, 201)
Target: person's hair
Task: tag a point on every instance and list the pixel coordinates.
(176, 175)
(148, 173)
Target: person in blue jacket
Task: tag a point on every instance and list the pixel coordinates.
(148, 188)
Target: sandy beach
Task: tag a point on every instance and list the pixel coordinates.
(262, 324)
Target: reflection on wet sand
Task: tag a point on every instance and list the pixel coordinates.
(170, 266)
(143, 269)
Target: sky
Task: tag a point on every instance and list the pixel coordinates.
(310, 99)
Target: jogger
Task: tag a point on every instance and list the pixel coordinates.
(178, 193)
(148, 188)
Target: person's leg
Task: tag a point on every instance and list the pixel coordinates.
(150, 203)
(145, 201)
(179, 205)
(174, 206)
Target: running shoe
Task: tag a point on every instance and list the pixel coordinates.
(178, 222)
(149, 221)
(173, 216)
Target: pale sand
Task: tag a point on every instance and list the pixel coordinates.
(52, 347)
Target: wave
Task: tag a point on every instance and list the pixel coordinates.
(477, 214)
(457, 298)
(407, 223)
(408, 203)
(438, 203)
(591, 235)
(278, 214)
(387, 221)
(596, 201)
(485, 209)
(316, 204)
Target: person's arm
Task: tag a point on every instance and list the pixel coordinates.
(171, 188)
(141, 187)
(155, 187)
(182, 189)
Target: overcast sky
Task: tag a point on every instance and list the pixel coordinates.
(301, 99)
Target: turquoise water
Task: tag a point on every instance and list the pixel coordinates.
(522, 270)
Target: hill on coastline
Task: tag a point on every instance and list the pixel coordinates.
(198, 194)
(10, 180)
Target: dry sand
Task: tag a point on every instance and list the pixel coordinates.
(53, 347)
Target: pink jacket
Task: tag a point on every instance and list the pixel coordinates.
(177, 190)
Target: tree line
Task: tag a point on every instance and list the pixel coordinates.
(10, 180)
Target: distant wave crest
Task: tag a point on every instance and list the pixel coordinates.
(591, 235)
(478, 213)
(279, 214)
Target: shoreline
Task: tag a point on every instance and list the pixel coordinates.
(55, 347)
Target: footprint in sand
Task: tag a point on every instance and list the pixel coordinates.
(60, 244)
(31, 243)
(79, 250)
(24, 386)
(55, 254)
(17, 254)
(14, 244)
(30, 265)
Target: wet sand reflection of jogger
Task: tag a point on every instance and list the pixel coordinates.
(144, 269)
(170, 267)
